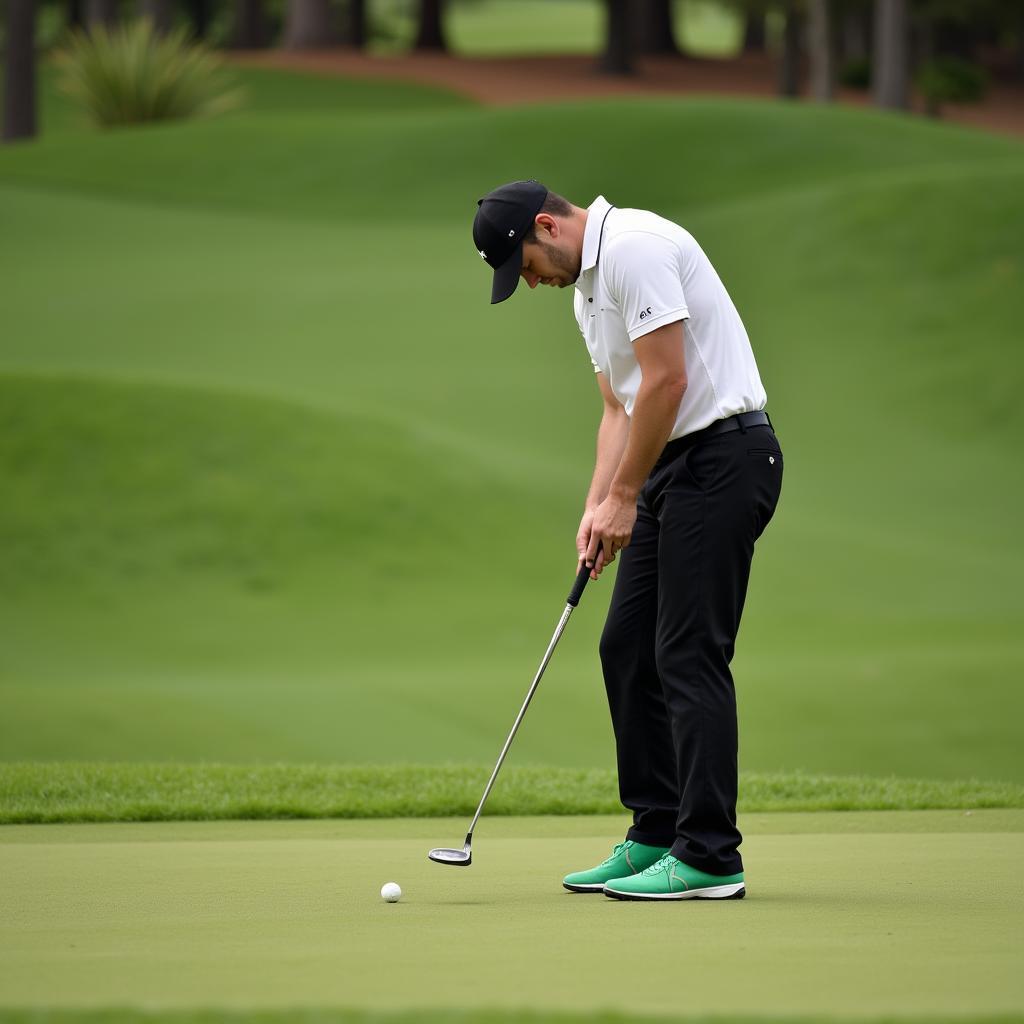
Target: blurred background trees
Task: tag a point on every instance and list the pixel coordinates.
(891, 54)
(656, 27)
(308, 25)
(19, 70)
(430, 26)
(938, 50)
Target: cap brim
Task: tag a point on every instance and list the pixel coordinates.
(506, 277)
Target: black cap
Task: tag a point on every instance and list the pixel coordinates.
(503, 217)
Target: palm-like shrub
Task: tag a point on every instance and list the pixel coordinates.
(131, 73)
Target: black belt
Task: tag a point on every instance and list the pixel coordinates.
(741, 421)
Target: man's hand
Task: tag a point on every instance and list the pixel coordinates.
(583, 533)
(604, 531)
(583, 542)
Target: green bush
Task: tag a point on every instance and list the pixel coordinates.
(951, 80)
(131, 74)
(856, 74)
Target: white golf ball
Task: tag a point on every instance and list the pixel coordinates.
(391, 892)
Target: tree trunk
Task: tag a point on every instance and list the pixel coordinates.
(822, 51)
(617, 58)
(249, 25)
(656, 28)
(307, 25)
(430, 32)
(890, 65)
(159, 12)
(789, 64)
(856, 34)
(357, 33)
(76, 14)
(100, 12)
(753, 32)
(199, 15)
(20, 71)
(1020, 46)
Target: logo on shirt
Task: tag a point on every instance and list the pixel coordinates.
(646, 312)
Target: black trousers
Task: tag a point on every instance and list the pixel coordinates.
(670, 635)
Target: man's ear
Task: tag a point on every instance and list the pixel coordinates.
(546, 222)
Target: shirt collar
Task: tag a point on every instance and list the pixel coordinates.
(596, 213)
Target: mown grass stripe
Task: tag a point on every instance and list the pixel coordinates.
(445, 1016)
(90, 791)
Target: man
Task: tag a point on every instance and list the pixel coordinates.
(687, 475)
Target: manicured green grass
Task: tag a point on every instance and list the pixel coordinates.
(161, 481)
(284, 500)
(407, 165)
(446, 1016)
(280, 486)
(37, 793)
(912, 917)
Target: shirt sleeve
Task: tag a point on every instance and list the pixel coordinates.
(643, 274)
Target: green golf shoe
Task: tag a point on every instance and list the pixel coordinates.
(627, 858)
(671, 879)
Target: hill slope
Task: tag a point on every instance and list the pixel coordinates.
(281, 475)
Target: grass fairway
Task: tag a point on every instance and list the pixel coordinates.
(279, 485)
(446, 1016)
(101, 792)
(287, 516)
(866, 915)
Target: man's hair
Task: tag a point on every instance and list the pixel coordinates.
(554, 205)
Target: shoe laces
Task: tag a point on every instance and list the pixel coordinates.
(660, 865)
(619, 847)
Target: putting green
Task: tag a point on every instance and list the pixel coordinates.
(848, 914)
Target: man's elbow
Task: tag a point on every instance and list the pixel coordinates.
(672, 386)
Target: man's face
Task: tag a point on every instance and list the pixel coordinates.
(550, 261)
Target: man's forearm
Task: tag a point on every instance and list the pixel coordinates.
(612, 435)
(654, 415)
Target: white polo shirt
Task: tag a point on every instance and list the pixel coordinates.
(640, 272)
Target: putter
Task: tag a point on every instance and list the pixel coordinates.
(464, 857)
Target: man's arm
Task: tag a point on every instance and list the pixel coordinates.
(662, 360)
(611, 443)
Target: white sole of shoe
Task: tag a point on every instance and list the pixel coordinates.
(595, 887)
(735, 891)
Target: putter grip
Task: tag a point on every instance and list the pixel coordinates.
(577, 588)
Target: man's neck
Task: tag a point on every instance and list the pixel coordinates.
(579, 216)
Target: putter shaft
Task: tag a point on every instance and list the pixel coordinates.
(463, 857)
(559, 629)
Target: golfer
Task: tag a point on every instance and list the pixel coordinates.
(687, 475)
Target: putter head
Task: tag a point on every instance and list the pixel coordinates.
(456, 858)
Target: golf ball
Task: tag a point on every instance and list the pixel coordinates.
(391, 892)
